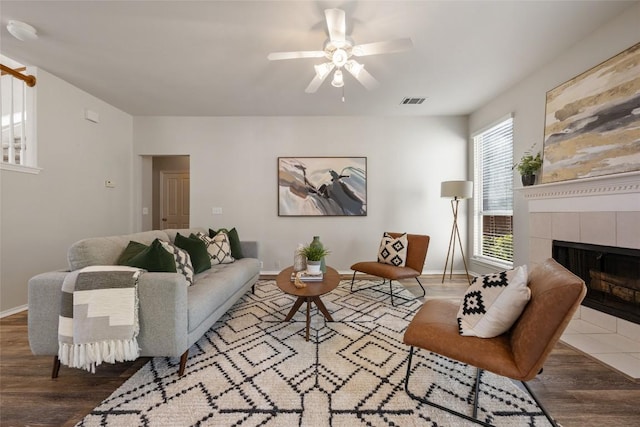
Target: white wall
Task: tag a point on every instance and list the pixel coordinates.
(234, 166)
(42, 215)
(527, 101)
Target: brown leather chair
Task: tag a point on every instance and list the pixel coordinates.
(417, 246)
(519, 353)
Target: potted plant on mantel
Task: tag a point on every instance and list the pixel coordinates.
(314, 255)
(528, 166)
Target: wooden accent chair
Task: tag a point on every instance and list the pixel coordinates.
(417, 246)
(519, 353)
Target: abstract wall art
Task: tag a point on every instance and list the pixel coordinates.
(592, 122)
(322, 186)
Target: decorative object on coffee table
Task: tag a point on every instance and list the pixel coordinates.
(299, 260)
(315, 254)
(309, 294)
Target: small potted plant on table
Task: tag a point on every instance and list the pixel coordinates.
(314, 255)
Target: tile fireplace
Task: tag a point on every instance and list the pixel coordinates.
(592, 213)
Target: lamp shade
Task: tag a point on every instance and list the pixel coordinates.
(456, 189)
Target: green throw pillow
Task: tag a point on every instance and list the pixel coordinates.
(132, 249)
(234, 241)
(197, 251)
(154, 258)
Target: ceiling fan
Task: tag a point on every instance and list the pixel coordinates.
(340, 50)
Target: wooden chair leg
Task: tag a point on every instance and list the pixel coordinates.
(183, 362)
(253, 289)
(56, 367)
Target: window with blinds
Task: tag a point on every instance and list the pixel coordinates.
(493, 207)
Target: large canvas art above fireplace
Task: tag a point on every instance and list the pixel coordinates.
(592, 122)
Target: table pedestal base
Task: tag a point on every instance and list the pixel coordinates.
(316, 300)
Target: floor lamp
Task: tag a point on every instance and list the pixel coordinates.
(456, 190)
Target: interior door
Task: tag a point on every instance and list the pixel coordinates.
(174, 200)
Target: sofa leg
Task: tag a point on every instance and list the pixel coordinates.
(183, 362)
(56, 367)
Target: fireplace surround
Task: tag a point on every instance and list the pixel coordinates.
(592, 211)
(612, 276)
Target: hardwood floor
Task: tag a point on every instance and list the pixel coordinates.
(577, 390)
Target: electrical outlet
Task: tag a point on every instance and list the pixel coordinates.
(216, 211)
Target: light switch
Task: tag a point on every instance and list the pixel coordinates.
(145, 211)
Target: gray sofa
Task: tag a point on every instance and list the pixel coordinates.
(172, 315)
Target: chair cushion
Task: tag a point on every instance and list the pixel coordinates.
(393, 250)
(386, 271)
(435, 328)
(493, 303)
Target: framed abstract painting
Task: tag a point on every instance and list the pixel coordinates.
(592, 122)
(322, 186)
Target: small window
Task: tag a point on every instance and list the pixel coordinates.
(493, 206)
(18, 120)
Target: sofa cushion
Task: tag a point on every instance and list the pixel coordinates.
(154, 258)
(212, 288)
(218, 248)
(197, 251)
(182, 260)
(393, 250)
(234, 241)
(132, 249)
(107, 250)
(493, 303)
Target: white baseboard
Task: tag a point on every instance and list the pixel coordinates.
(13, 311)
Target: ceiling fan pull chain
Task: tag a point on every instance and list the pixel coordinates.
(342, 93)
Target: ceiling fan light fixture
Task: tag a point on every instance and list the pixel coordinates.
(338, 80)
(22, 31)
(354, 67)
(323, 70)
(339, 57)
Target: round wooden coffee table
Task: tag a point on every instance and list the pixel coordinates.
(309, 294)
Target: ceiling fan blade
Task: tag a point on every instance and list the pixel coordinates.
(275, 56)
(322, 71)
(357, 70)
(376, 48)
(336, 25)
(315, 84)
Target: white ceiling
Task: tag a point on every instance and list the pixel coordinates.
(209, 58)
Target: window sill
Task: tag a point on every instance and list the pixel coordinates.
(20, 168)
(490, 263)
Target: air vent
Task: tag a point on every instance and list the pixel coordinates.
(412, 101)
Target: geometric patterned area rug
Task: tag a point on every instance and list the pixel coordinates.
(253, 369)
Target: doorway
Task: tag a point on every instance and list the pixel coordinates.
(170, 192)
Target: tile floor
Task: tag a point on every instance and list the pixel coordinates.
(614, 342)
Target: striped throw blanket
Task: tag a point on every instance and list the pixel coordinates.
(99, 317)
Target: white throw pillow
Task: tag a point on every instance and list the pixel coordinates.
(218, 247)
(393, 250)
(493, 303)
(183, 260)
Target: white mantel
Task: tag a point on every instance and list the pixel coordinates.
(610, 193)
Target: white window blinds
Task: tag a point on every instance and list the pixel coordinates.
(493, 210)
